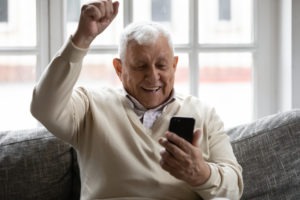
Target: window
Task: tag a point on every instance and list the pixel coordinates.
(166, 15)
(239, 30)
(161, 10)
(223, 77)
(220, 60)
(18, 61)
(226, 46)
(225, 81)
(3, 11)
(73, 12)
(224, 10)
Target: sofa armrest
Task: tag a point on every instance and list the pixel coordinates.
(269, 152)
(34, 165)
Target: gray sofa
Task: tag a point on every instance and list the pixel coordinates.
(36, 165)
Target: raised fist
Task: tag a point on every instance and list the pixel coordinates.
(94, 19)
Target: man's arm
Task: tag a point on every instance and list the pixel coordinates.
(53, 103)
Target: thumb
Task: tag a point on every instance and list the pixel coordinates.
(196, 137)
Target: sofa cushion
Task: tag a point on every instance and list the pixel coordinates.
(34, 165)
(269, 152)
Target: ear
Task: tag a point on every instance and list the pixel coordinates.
(175, 61)
(118, 66)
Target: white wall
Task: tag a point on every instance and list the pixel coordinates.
(266, 68)
(295, 54)
(289, 55)
(285, 58)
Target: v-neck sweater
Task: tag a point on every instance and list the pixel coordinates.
(118, 156)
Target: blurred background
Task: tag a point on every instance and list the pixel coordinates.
(235, 55)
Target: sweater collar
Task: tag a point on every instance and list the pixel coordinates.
(136, 105)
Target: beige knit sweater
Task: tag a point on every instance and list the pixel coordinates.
(118, 156)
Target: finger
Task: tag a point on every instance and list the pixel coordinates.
(168, 168)
(172, 169)
(168, 158)
(173, 149)
(101, 7)
(168, 162)
(105, 8)
(115, 8)
(197, 135)
(92, 11)
(178, 141)
(109, 9)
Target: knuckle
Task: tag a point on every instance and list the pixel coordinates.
(172, 149)
(164, 155)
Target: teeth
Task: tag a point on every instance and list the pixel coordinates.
(152, 88)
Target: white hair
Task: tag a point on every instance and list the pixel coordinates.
(142, 33)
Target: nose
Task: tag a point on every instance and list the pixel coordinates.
(153, 74)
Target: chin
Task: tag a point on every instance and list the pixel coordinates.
(151, 105)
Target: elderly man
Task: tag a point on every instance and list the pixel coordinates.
(124, 148)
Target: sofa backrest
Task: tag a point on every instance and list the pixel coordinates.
(36, 165)
(269, 152)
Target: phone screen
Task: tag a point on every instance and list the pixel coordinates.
(183, 126)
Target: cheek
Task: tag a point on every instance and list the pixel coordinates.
(169, 77)
(125, 76)
(124, 79)
(130, 79)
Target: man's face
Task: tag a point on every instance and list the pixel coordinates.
(148, 71)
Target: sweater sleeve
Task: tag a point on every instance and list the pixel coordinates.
(52, 101)
(226, 174)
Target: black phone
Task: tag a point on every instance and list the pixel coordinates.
(183, 126)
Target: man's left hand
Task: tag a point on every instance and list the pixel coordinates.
(184, 160)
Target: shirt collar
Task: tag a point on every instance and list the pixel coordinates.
(135, 104)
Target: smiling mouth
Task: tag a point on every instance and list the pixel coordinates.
(151, 89)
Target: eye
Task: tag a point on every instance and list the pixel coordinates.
(139, 67)
(162, 66)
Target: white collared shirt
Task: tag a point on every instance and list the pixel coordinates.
(148, 116)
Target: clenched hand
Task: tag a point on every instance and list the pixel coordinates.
(94, 19)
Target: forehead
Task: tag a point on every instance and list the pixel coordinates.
(158, 46)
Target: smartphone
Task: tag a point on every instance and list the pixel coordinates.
(183, 126)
